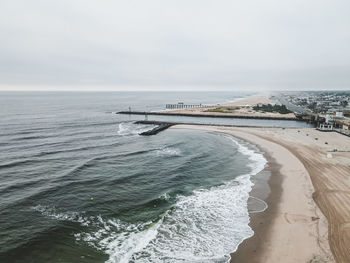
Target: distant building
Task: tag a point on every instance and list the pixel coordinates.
(326, 126)
(329, 118)
(339, 114)
(343, 124)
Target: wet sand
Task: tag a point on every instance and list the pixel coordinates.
(308, 218)
(250, 250)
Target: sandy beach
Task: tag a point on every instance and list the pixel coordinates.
(308, 218)
(244, 108)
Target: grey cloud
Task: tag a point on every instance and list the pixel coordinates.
(223, 44)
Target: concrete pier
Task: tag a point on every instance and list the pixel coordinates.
(181, 105)
(161, 127)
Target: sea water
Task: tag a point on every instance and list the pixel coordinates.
(79, 184)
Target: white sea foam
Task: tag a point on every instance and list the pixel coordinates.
(117, 238)
(203, 227)
(258, 160)
(67, 216)
(129, 128)
(168, 152)
(262, 202)
(123, 248)
(164, 196)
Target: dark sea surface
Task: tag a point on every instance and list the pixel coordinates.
(78, 184)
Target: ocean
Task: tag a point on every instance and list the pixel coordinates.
(79, 184)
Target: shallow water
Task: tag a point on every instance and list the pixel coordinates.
(78, 184)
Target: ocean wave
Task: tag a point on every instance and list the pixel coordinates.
(57, 180)
(168, 152)
(87, 124)
(124, 247)
(258, 160)
(208, 225)
(204, 227)
(166, 196)
(52, 212)
(129, 128)
(117, 238)
(17, 163)
(76, 149)
(34, 137)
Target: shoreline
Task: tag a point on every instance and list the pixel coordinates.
(243, 108)
(292, 228)
(248, 250)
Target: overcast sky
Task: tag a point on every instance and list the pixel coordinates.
(175, 44)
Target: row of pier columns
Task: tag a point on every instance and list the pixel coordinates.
(182, 106)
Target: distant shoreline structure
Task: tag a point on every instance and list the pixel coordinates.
(210, 115)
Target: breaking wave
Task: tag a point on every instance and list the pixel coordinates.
(168, 152)
(205, 226)
(129, 128)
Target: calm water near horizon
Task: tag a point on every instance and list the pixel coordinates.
(78, 184)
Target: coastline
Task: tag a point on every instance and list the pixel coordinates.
(267, 187)
(244, 110)
(293, 228)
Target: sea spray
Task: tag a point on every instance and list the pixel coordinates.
(129, 128)
(167, 151)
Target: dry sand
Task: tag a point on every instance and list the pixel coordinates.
(250, 101)
(245, 109)
(293, 228)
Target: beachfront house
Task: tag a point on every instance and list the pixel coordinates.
(326, 126)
